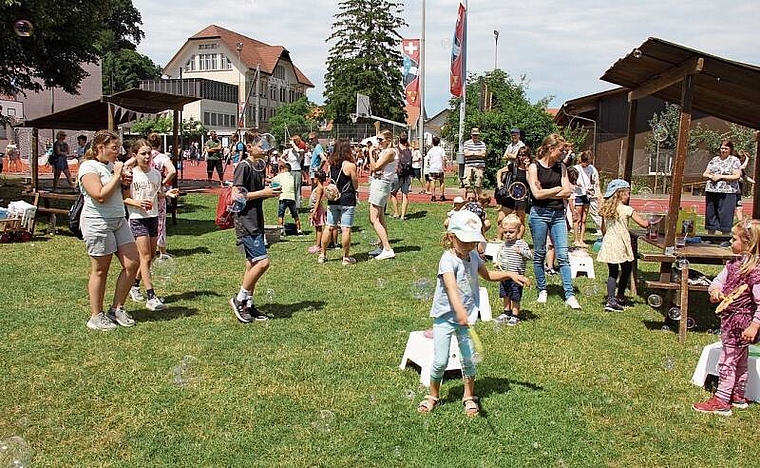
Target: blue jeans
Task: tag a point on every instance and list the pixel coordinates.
(443, 328)
(542, 221)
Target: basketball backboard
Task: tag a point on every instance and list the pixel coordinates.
(363, 108)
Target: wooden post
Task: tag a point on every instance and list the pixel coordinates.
(687, 92)
(684, 304)
(175, 133)
(631, 140)
(756, 176)
(34, 162)
(111, 118)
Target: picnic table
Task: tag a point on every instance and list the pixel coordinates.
(707, 252)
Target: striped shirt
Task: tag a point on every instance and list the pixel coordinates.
(473, 147)
(514, 255)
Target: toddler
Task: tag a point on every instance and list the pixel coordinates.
(512, 257)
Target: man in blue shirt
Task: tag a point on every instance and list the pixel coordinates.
(318, 157)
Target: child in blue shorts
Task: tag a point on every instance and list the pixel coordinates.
(512, 257)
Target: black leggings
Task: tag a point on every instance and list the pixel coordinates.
(612, 280)
(217, 164)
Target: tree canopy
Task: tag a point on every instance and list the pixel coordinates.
(365, 58)
(63, 36)
(496, 104)
(295, 117)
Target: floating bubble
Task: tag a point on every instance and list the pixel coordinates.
(269, 294)
(654, 300)
(536, 445)
(665, 328)
(238, 203)
(696, 349)
(422, 289)
(674, 313)
(690, 323)
(163, 268)
(653, 211)
(184, 374)
(668, 363)
(23, 28)
(324, 421)
(411, 395)
(15, 452)
(380, 283)
(660, 133)
(709, 331)
(591, 290)
(446, 43)
(477, 357)
(682, 264)
(637, 53)
(397, 451)
(645, 192)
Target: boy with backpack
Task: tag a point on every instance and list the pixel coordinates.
(405, 171)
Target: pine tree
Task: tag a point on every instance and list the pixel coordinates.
(365, 58)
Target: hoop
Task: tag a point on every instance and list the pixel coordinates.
(518, 191)
(259, 165)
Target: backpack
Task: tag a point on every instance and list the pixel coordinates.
(404, 167)
(75, 215)
(242, 150)
(225, 218)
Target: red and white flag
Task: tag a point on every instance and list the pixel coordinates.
(411, 52)
(458, 55)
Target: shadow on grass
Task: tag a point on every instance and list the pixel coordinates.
(280, 311)
(188, 252)
(170, 313)
(416, 214)
(407, 248)
(189, 295)
(195, 227)
(487, 386)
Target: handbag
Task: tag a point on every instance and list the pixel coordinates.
(75, 215)
(502, 193)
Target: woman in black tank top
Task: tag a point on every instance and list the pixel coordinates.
(550, 188)
(340, 212)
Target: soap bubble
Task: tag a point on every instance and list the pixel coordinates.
(591, 290)
(690, 323)
(269, 294)
(422, 289)
(668, 363)
(184, 374)
(446, 43)
(380, 283)
(163, 268)
(653, 211)
(674, 313)
(23, 28)
(645, 192)
(660, 132)
(324, 421)
(238, 203)
(654, 300)
(397, 451)
(682, 263)
(15, 452)
(536, 445)
(665, 328)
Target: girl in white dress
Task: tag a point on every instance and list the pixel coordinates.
(616, 250)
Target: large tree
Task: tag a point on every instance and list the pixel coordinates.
(365, 58)
(496, 104)
(294, 118)
(64, 36)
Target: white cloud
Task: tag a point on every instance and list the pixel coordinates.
(562, 47)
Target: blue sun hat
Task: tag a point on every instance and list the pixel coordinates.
(614, 186)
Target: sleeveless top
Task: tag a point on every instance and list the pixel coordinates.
(389, 171)
(548, 177)
(343, 182)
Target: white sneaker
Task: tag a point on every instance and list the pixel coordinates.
(542, 296)
(155, 304)
(502, 318)
(385, 254)
(135, 294)
(573, 303)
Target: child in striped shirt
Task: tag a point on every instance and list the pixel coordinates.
(512, 257)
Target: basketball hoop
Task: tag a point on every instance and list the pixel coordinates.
(353, 117)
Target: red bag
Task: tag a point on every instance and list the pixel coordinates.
(225, 219)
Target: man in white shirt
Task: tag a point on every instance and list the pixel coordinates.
(436, 157)
(511, 152)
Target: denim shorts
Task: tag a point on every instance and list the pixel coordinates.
(144, 227)
(104, 236)
(253, 247)
(378, 192)
(402, 183)
(581, 200)
(510, 289)
(340, 215)
(289, 205)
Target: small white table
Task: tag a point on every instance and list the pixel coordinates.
(419, 350)
(708, 364)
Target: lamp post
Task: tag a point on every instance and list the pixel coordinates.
(239, 48)
(496, 49)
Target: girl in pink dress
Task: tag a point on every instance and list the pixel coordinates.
(318, 215)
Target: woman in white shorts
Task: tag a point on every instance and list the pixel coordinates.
(106, 231)
(383, 172)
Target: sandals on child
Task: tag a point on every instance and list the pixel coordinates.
(471, 407)
(428, 404)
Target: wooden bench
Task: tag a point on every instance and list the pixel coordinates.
(674, 286)
(45, 197)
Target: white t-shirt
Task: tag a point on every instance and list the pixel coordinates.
(436, 155)
(513, 148)
(416, 159)
(159, 161)
(292, 159)
(114, 206)
(144, 186)
(587, 177)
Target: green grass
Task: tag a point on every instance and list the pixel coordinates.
(562, 389)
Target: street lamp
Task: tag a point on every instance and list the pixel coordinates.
(239, 48)
(496, 49)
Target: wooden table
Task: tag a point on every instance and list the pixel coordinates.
(702, 254)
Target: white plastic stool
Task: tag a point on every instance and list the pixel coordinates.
(708, 364)
(419, 350)
(492, 250)
(581, 264)
(485, 309)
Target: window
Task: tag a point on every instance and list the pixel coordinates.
(207, 46)
(229, 64)
(282, 94)
(206, 118)
(213, 118)
(292, 95)
(226, 120)
(190, 65)
(213, 62)
(279, 72)
(273, 93)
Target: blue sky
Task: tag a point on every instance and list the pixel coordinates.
(562, 48)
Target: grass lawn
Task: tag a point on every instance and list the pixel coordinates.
(319, 385)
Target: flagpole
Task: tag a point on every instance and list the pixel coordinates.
(463, 100)
(421, 119)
